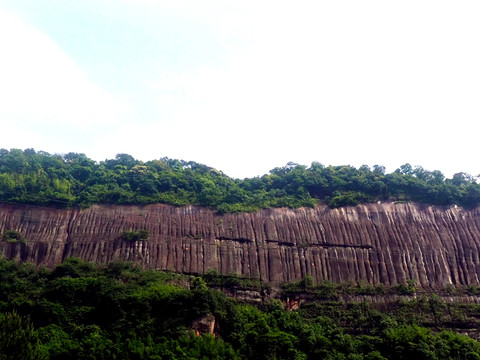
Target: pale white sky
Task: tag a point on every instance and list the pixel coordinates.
(244, 86)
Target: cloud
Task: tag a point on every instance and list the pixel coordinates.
(43, 90)
(366, 83)
(340, 83)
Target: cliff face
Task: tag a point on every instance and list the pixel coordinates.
(374, 243)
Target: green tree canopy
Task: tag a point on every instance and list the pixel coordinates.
(75, 180)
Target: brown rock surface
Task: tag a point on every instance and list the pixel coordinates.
(373, 243)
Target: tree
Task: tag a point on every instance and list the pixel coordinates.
(405, 169)
(18, 339)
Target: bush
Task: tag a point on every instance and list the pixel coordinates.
(132, 235)
(12, 236)
(404, 289)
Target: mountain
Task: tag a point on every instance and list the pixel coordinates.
(378, 243)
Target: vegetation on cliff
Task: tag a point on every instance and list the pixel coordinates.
(75, 180)
(117, 311)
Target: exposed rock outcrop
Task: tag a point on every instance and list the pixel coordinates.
(373, 243)
(204, 325)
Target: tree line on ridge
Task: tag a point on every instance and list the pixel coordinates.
(37, 177)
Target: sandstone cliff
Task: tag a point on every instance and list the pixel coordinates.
(374, 243)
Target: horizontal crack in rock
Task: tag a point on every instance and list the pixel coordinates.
(241, 240)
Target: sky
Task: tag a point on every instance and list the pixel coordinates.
(244, 86)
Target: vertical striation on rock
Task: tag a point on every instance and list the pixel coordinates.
(371, 243)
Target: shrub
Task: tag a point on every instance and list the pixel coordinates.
(132, 235)
(12, 236)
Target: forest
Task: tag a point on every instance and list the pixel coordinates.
(36, 177)
(80, 310)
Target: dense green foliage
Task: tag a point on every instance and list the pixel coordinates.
(18, 339)
(117, 311)
(75, 180)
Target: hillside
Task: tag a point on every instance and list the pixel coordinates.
(375, 265)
